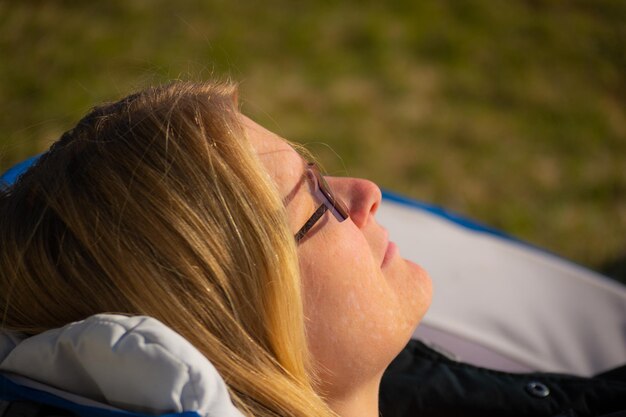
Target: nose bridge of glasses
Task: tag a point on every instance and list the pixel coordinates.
(331, 205)
(332, 201)
(325, 194)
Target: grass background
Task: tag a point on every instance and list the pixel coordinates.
(512, 113)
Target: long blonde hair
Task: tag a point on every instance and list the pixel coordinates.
(157, 205)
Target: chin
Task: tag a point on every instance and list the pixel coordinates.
(416, 293)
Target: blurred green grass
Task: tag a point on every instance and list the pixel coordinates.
(513, 113)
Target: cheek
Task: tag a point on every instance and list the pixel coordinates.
(342, 295)
(413, 286)
(357, 318)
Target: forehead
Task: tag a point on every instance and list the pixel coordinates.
(284, 165)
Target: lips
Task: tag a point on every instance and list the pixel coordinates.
(390, 249)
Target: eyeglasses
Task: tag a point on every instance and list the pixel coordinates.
(323, 192)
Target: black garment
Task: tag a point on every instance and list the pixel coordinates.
(421, 382)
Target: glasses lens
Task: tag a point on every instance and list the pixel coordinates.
(337, 205)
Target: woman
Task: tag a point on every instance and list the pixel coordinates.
(172, 204)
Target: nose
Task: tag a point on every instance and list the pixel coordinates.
(361, 196)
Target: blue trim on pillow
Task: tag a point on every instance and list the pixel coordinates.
(453, 217)
(477, 227)
(10, 176)
(10, 391)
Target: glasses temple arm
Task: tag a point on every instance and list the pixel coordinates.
(312, 220)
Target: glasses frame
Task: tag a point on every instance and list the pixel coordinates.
(323, 192)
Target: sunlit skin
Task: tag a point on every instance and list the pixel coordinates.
(362, 301)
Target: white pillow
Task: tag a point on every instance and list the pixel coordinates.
(132, 363)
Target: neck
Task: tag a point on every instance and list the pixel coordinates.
(359, 402)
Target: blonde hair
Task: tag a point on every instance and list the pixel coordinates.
(156, 205)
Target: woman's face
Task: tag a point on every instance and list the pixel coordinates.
(361, 299)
